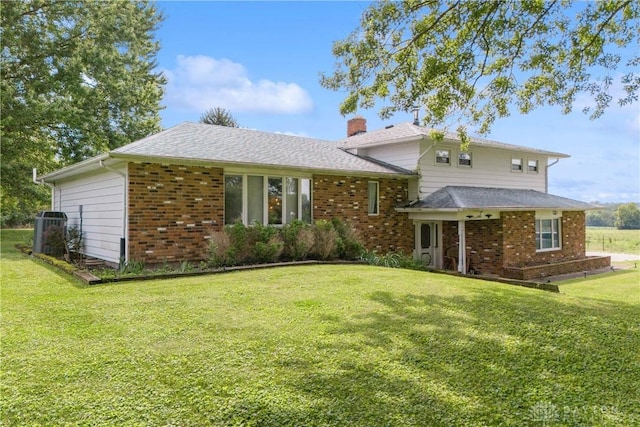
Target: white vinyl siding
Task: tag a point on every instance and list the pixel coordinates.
(102, 197)
(490, 168)
(401, 155)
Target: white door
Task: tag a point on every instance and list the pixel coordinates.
(427, 243)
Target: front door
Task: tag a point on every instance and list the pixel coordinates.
(427, 243)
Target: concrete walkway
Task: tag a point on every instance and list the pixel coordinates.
(616, 257)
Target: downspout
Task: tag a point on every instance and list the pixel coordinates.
(546, 176)
(42, 182)
(123, 239)
(418, 163)
(462, 247)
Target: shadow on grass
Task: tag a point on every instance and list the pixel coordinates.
(496, 358)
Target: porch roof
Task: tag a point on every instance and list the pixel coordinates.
(461, 198)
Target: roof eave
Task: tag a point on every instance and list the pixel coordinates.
(74, 169)
(223, 164)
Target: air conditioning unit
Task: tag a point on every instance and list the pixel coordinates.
(44, 221)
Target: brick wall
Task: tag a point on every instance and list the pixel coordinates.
(171, 210)
(563, 267)
(484, 246)
(347, 198)
(521, 250)
(498, 246)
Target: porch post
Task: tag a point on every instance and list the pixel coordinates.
(462, 259)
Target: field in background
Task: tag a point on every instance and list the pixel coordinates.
(610, 239)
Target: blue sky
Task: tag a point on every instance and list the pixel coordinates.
(262, 62)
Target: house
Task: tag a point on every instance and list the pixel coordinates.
(484, 210)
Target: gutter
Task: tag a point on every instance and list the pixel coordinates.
(546, 175)
(43, 182)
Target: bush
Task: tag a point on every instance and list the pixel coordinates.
(238, 244)
(221, 253)
(270, 251)
(298, 239)
(325, 240)
(392, 260)
(350, 246)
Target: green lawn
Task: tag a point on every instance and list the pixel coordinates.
(315, 346)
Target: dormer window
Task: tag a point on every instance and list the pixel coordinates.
(464, 159)
(443, 157)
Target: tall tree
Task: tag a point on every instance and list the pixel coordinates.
(628, 216)
(78, 79)
(472, 60)
(219, 116)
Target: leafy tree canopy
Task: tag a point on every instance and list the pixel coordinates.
(219, 116)
(77, 79)
(468, 62)
(628, 216)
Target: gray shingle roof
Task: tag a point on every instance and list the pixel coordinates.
(407, 131)
(220, 144)
(458, 197)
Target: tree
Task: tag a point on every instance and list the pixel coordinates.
(219, 116)
(78, 79)
(468, 62)
(628, 216)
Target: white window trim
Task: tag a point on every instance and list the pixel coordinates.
(265, 200)
(435, 157)
(559, 232)
(521, 170)
(377, 212)
(470, 165)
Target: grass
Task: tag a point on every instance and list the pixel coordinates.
(610, 239)
(315, 346)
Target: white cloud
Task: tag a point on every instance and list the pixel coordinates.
(200, 82)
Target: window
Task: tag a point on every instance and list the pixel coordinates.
(232, 199)
(443, 157)
(464, 159)
(266, 199)
(373, 198)
(255, 199)
(532, 166)
(516, 164)
(305, 200)
(274, 193)
(547, 234)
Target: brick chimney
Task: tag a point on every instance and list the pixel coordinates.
(356, 126)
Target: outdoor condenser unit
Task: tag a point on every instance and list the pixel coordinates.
(44, 220)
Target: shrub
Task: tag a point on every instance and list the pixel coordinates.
(350, 245)
(221, 253)
(298, 239)
(392, 260)
(270, 251)
(325, 240)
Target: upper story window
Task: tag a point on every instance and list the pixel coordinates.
(464, 159)
(548, 234)
(516, 164)
(532, 166)
(266, 199)
(443, 157)
(373, 205)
